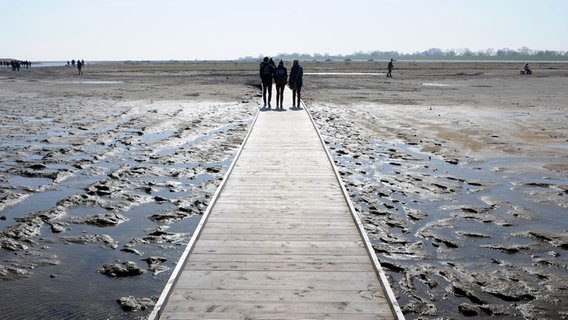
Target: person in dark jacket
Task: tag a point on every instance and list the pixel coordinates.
(281, 78)
(266, 75)
(295, 82)
(389, 68)
(527, 68)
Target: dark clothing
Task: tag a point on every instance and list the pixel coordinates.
(266, 76)
(280, 76)
(266, 73)
(296, 75)
(390, 67)
(280, 96)
(295, 83)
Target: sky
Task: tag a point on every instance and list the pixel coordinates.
(93, 30)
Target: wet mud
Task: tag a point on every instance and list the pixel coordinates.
(99, 197)
(457, 237)
(459, 175)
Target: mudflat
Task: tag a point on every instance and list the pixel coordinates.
(458, 170)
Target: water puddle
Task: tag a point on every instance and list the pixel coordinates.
(29, 183)
(432, 84)
(97, 82)
(35, 119)
(156, 136)
(559, 146)
(34, 203)
(433, 219)
(345, 73)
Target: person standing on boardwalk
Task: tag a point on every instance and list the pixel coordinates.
(295, 82)
(281, 78)
(266, 75)
(390, 67)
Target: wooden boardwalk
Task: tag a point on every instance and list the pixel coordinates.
(279, 240)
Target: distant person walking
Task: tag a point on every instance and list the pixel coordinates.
(389, 68)
(281, 78)
(80, 66)
(295, 82)
(266, 75)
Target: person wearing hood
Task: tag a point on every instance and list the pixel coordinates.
(266, 75)
(281, 78)
(295, 82)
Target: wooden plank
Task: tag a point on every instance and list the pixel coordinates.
(284, 225)
(295, 214)
(238, 265)
(277, 280)
(259, 309)
(360, 296)
(316, 211)
(300, 228)
(286, 217)
(283, 237)
(278, 247)
(256, 311)
(278, 316)
(290, 231)
(283, 206)
(289, 258)
(286, 222)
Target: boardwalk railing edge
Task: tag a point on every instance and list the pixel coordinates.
(164, 296)
(393, 304)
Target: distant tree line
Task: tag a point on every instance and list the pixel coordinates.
(506, 52)
(465, 53)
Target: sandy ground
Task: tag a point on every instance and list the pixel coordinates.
(459, 171)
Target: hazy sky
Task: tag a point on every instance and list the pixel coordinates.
(209, 29)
